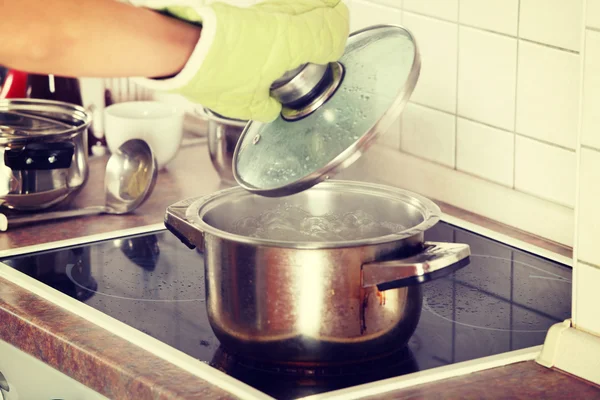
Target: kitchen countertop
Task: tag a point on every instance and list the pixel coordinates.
(101, 360)
(525, 380)
(118, 368)
(190, 174)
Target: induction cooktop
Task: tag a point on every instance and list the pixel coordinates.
(504, 300)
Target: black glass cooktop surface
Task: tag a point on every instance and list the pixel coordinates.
(504, 300)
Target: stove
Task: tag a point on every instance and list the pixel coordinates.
(504, 300)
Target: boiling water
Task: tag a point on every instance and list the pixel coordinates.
(292, 223)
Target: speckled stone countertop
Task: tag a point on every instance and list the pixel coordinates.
(115, 367)
(525, 380)
(112, 366)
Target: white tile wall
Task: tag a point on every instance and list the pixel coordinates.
(484, 151)
(391, 3)
(495, 15)
(545, 171)
(590, 134)
(487, 65)
(524, 56)
(364, 13)
(445, 9)
(495, 75)
(589, 207)
(554, 22)
(593, 14)
(588, 308)
(429, 134)
(548, 94)
(438, 45)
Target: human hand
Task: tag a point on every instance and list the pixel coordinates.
(243, 50)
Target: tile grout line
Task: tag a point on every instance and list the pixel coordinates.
(550, 46)
(482, 178)
(587, 264)
(430, 16)
(493, 126)
(590, 148)
(558, 146)
(569, 206)
(592, 28)
(514, 182)
(456, 102)
(499, 33)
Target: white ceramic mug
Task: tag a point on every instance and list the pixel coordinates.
(159, 124)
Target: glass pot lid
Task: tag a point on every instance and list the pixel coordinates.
(363, 95)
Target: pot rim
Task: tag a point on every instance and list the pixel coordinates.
(429, 210)
(35, 105)
(212, 116)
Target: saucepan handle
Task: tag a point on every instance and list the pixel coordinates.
(40, 156)
(435, 261)
(177, 222)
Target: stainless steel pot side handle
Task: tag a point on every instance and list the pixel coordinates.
(176, 222)
(435, 261)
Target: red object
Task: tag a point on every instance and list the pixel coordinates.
(15, 85)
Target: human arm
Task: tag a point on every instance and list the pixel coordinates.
(243, 50)
(99, 38)
(228, 66)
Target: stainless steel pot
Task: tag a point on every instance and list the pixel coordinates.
(315, 302)
(223, 136)
(43, 145)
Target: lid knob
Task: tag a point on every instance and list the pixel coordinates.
(303, 90)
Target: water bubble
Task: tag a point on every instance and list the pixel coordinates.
(292, 223)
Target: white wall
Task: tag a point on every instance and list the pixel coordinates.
(586, 314)
(497, 100)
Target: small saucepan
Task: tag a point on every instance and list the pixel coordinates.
(43, 148)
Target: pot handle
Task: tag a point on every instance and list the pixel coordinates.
(435, 261)
(40, 156)
(177, 223)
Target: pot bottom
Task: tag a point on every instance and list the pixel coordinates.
(307, 351)
(296, 380)
(324, 366)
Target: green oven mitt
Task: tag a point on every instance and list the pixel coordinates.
(243, 50)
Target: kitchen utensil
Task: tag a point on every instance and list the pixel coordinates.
(331, 113)
(159, 124)
(315, 301)
(129, 180)
(223, 136)
(43, 145)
